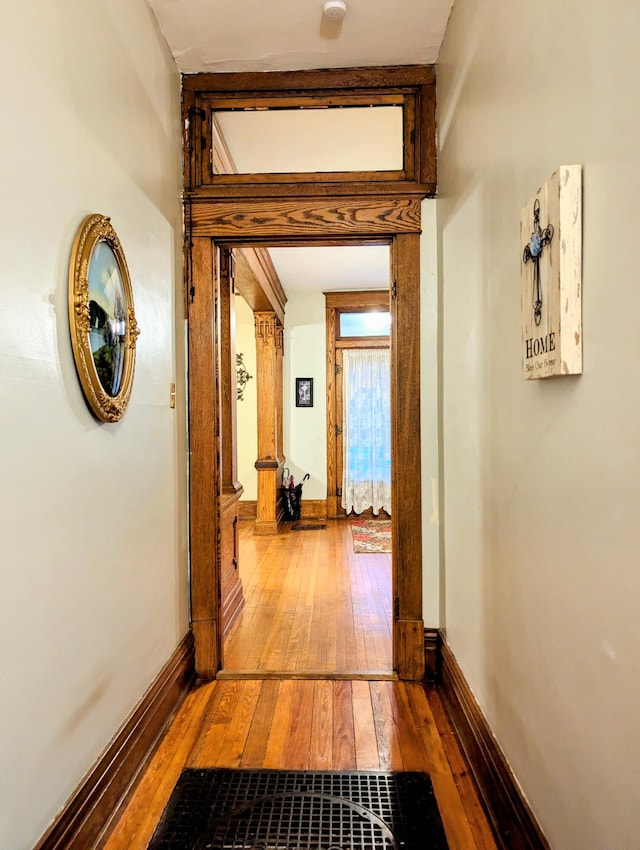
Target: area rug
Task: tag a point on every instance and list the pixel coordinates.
(371, 535)
(296, 810)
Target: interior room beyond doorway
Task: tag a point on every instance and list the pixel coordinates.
(312, 605)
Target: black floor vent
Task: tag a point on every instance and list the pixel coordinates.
(295, 810)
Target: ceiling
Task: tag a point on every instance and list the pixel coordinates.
(317, 269)
(287, 35)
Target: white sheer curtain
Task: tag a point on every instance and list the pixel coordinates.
(366, 477)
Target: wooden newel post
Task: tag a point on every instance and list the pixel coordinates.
(269, 343)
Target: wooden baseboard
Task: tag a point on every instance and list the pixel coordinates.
(313, 509)
(266, 528)
(513, 824)
(93, 809)
(247, 509)
(432, 655)
(309, 509)
(309, 675)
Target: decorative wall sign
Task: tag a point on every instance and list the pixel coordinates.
(102, 319)
(551, 276)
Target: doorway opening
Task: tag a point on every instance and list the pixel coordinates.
(313, 604)
(359, 337)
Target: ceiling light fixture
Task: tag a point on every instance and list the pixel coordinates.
(335, 10)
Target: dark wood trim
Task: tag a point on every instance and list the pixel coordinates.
(432, 655)
(411, 86)
(231, 589)
(347, 78)
(333, 503)
(267, 464)
(360, 342)
(208, 193)
(406, 536)
(204, 457)
(428, 153)
(358, 300)
(258, 283)
(247, 219)
(92, 811)
(512, 821)
(322, 99)
(351, 675)
(226, 359)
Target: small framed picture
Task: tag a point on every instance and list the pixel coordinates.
(304, 392)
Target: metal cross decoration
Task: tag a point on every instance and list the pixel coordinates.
(533, 252)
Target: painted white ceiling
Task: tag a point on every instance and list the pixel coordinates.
(287, 35)
(336, 268)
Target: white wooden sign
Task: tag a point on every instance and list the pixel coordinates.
(551, 276)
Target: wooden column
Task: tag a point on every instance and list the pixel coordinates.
(231, 592)
(203, 460)
(269, 340)
(279, 397)
(227, 365)
(333, 500)
(408, 643)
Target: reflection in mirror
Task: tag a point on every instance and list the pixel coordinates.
(280, 141)
(107, 328)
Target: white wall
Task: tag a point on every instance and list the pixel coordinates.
(305, 428)
(247, 409)
(429, 416)
(541, 489)
(93, 544)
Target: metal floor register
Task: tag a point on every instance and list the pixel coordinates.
(296, 810)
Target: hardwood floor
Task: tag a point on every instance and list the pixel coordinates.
(314, 609)
(312, 606)
(310, 725)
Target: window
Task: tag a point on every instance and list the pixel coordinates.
(363, 324)
(322, 139)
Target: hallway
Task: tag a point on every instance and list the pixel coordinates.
(315, 611)
(310, 725)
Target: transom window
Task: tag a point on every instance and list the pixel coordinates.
(364, 323)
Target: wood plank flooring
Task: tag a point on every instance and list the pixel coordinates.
(310, 725)
(312, 606)
(301, 691)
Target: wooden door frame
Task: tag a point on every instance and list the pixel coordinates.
(290, 209)
(408, 626)
(336, 303)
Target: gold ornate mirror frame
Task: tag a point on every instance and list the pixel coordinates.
(101, 318)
